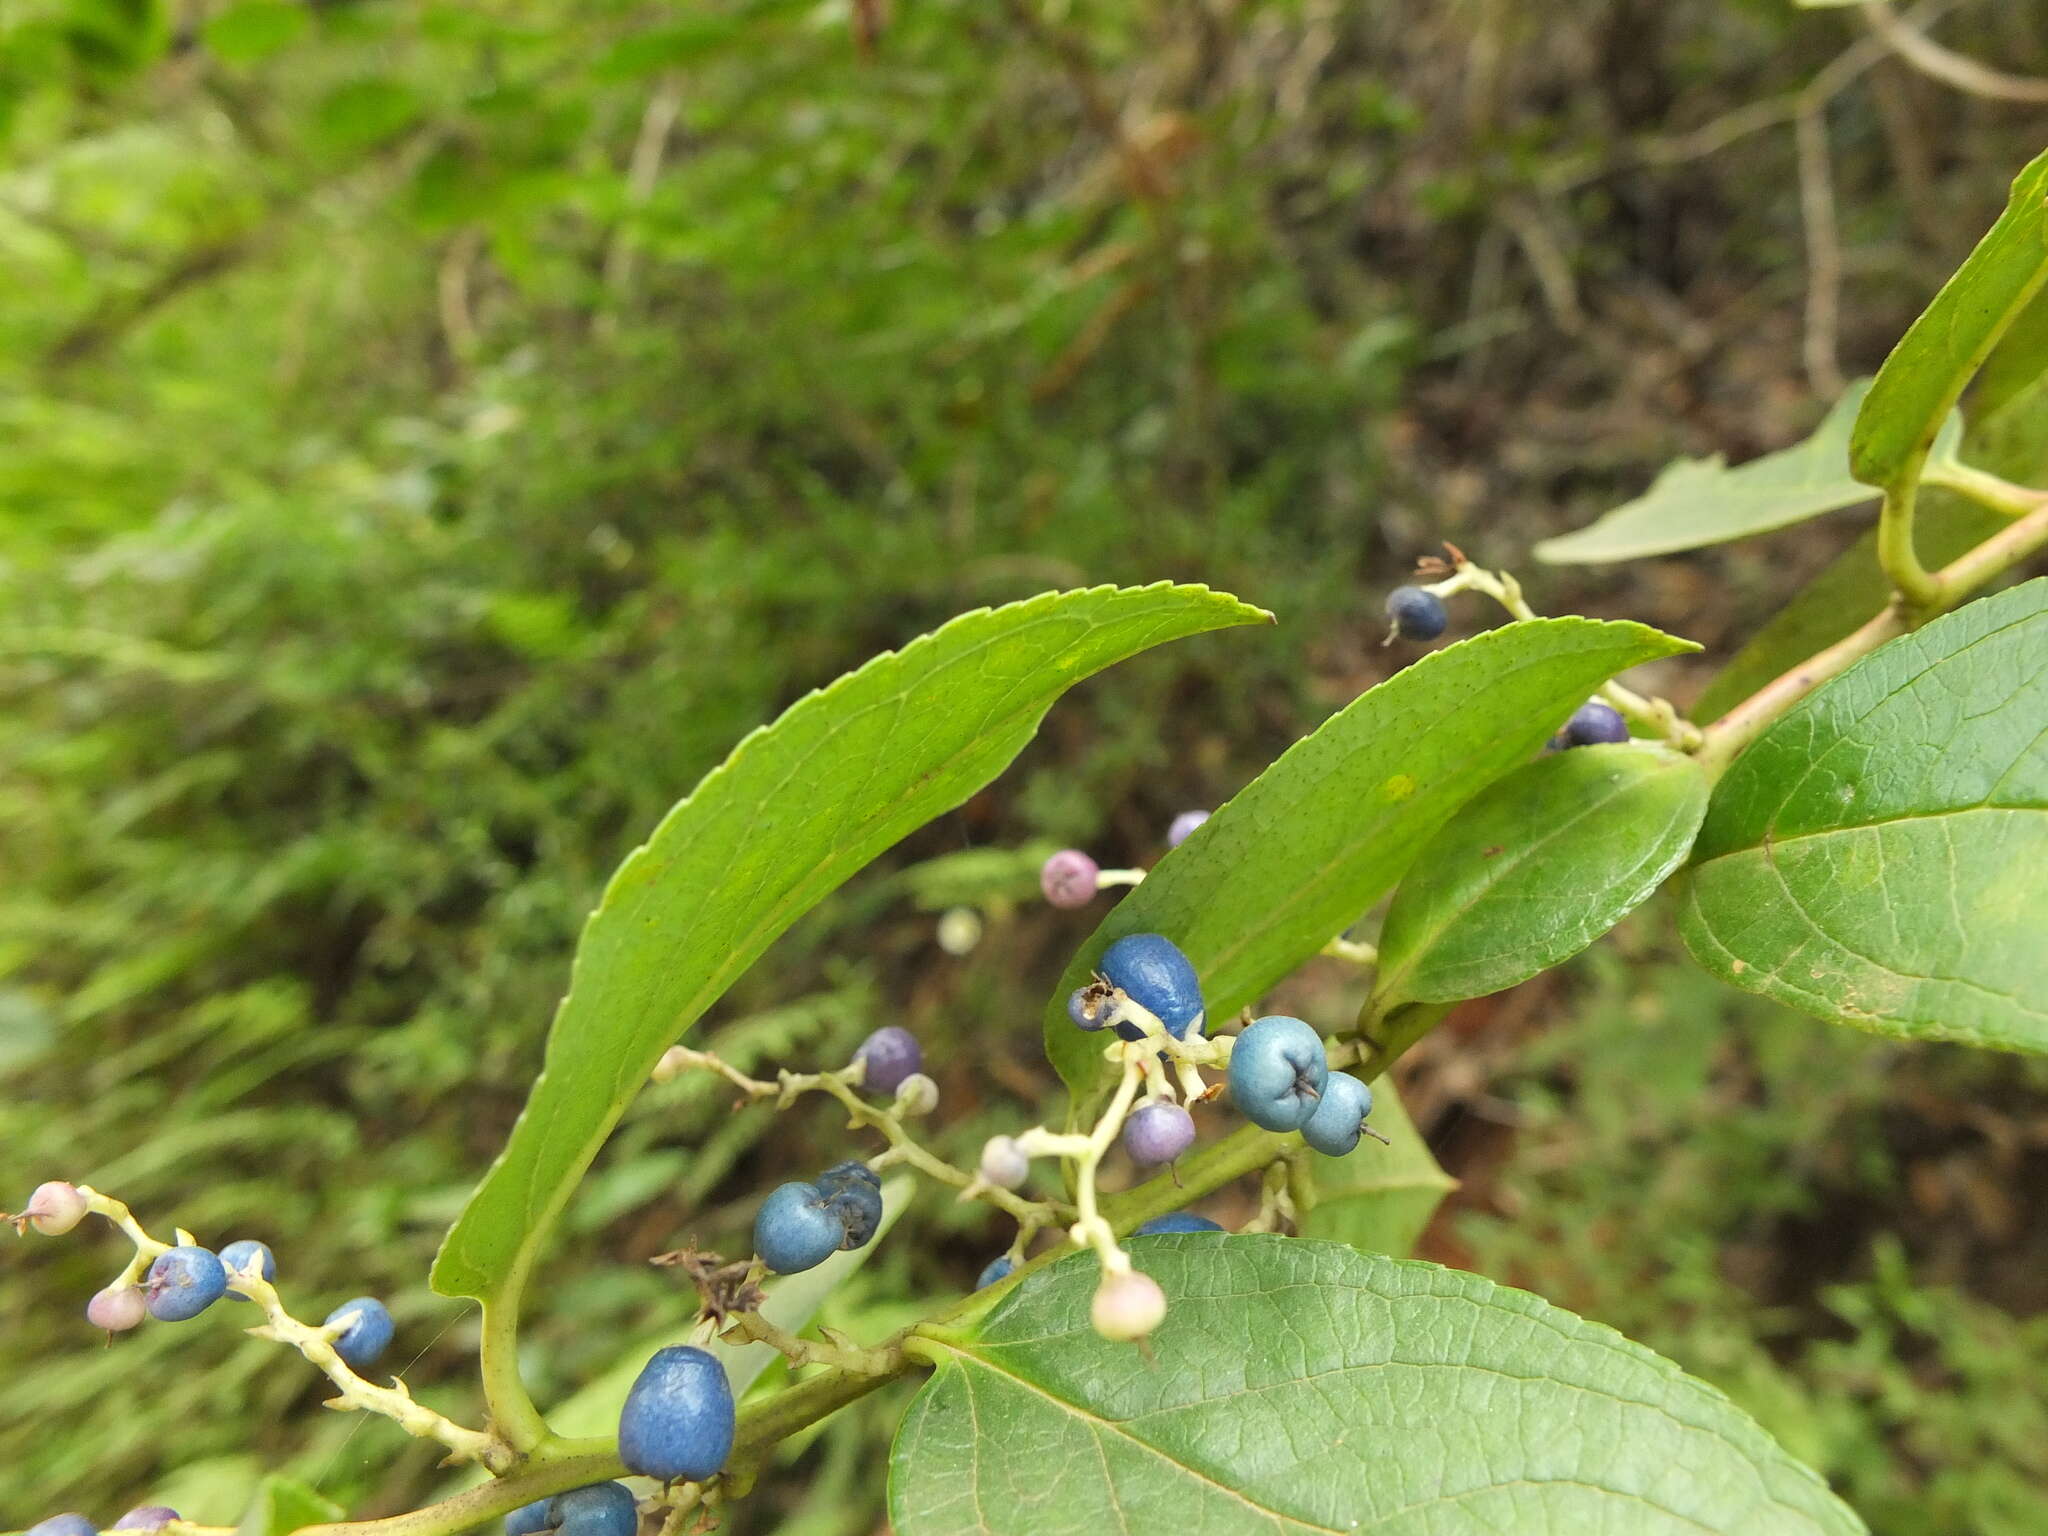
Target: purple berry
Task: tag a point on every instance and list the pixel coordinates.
(892, 1054)
(146, 1517)
(1184, 827)
(1158, 1133)
(117, 1309)
(1594, 724)
(63, 1525)
(1068, 878)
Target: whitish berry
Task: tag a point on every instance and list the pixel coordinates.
(1416, 614)
(54, 1209)
(959, 930)
(366, 1330)
(1003, 1163)
(1127, 1306)
(1068, 878)
(183, 1283)
(117, 1309)
(677, 1425)
(916, 1096)
(891, 1054)
(1158, 1132)
(1184, 826)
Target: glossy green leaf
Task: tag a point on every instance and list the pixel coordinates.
(799, 806)
(1379, 1198)
(1845, 596)
(1925, 375)
(1696, 502)
(1880, 856)
(1304, 849)
(1304, 1387)
(283, 1505)
(1536, 868)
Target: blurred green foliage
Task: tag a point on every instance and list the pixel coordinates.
(432, 434)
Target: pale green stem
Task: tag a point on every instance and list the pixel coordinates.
(1986, 489)
(1895, 549)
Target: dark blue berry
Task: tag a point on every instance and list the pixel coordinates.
(892, 1054)
(1001, 1267)
(1416, 614)
(528, 1519)
(1594, 724)
(1177, 1221)
(858, 1209)
(794, 1231)
(248, 1254)
(183, 1283)
(365, 1334)
(1150, 970)
(1277, 1070)
(602, 1509)
(1335, 1124)
(677, 1425)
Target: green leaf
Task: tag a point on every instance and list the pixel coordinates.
(253, 30)
(1844, 597)
(797, 808)
(1304, 849)
(2016, 364)
(1379, 1198)
(283, 1505)
(1924, 376)
(360, 114)
(1696, 502)
(1304, 1387)
(1880, 856)
(1537, 867)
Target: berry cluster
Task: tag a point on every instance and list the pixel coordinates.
(148, 1517)
(802, 1224)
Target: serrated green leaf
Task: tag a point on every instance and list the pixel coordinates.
(1300, 1386)
(800, 805)
(1925, 375)
(1696, 502)
(1880, 856)
(1845, 596)
(283, 1505)
(1379, 1198)
(1304, 849)
(1537, 867)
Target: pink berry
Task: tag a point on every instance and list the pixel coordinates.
(54, 1209)
(117, 1309)
(1184, 826)
(1068, 878)
(1127, 1306)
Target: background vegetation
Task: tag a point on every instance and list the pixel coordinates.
(432, 434)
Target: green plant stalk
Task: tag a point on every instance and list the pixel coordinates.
(1990, 491)
(512, 1413)
(1895, 551)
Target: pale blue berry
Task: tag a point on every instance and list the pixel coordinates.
(677, 1425)
(182, 1283)
(1277, 1070)
(246, 1254)
(366, 1331)
(63, 1525)
(1338, 1120)
(794, 1231)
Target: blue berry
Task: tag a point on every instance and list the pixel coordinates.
(1416, 614)
(528, 1519)
(1593, 724)
(1158, 1133)
(1001, 1267)
(1089, 1007)
(1277, 1071)
(852, 1171)
(892, 1054)
(183, 1283)
(602, 1509)
(63, 1525)
(1335, 1124)
(248, 1254)
(858, 1209)
(1151, 971)
(794, 1231)
(677, 1424)
(1183, 827)
(1177, 1221)
(146, 1517)
(366, 1331)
